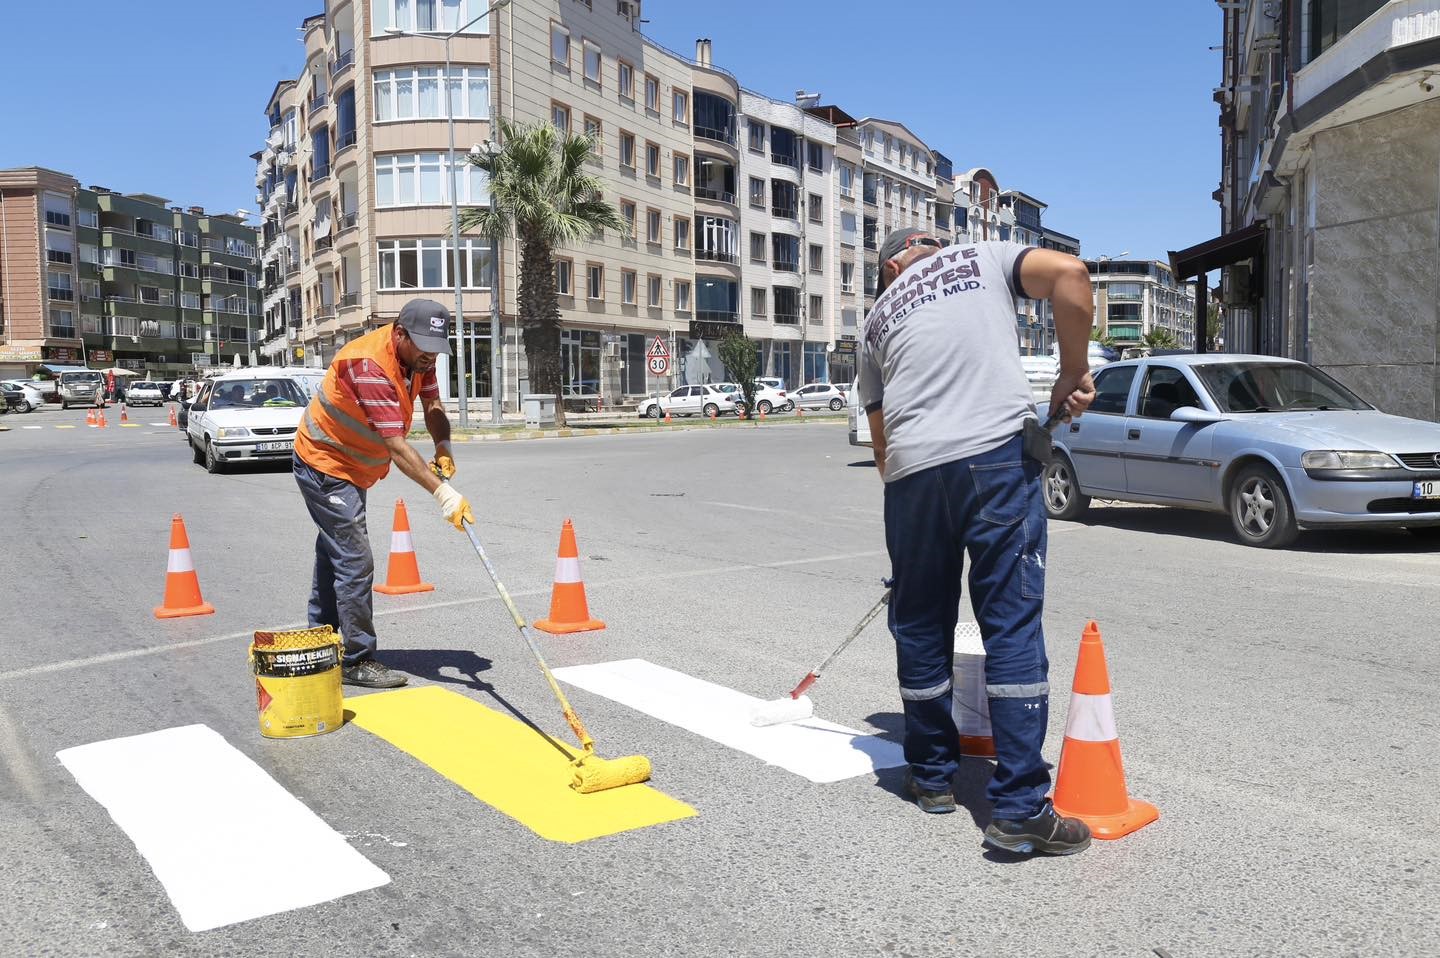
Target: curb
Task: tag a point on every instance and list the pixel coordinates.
(570, 433)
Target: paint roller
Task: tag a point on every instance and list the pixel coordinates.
(591, 772)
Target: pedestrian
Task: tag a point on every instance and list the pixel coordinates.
(951, 420)
(352, 431)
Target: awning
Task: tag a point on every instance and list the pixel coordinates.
(1225, 250)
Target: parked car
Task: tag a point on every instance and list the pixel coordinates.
(1275, 443)
(245, 415)
(10, 398)
(144, 393)
(704, 400)
(844, 387)
(819, 396)
(581, 399)
(776, 384)
(767, 398)
(30, 398)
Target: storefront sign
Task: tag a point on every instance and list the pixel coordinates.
(846, 347)
(19, 354)
(714, 329)
(101, 355)
(62, 354)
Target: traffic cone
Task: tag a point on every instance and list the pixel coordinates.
(124, 413)
(799, 412)
(403, 575)
(667, 417)
(762, 413)
(569, 611)
(90, 417)
(969, 704)
(103, 423)
(174, 422)
(1090, 784)
(182, 587)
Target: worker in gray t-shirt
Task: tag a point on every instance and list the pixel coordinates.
(941, 382)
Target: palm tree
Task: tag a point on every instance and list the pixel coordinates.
(542, 194)
(1159, 338)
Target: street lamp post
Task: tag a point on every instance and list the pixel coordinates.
(460, 343)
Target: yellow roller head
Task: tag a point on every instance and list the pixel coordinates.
(595, 774)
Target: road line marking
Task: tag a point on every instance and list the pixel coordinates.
(508, 765)
(64, 427)
(129, 425)
(162, 425)
(815, 749)
(32, 427)
(227, 841)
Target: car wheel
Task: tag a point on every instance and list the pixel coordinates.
(27, 406)
(837, 404)
(196, 455)
(711, 410)
(1260, 509)
(213, 463)
(789, 406)
(656, 412)
(1063, 498)
(764, 407)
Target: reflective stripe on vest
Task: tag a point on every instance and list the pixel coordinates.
(313, 430)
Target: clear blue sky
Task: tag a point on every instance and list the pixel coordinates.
(1102, 110)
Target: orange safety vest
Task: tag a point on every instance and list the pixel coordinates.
(335, 435)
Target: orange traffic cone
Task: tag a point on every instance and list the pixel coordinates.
(90, 419)
(174, 422)
(103, 423)
(667, 416)
(762, 413)
(182, 587)
(1090, 784)
(799, 412)
(569, 612)
(403, 575)
(124, 413)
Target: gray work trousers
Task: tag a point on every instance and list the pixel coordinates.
(341, 594)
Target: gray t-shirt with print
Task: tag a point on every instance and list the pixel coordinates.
(941, 356)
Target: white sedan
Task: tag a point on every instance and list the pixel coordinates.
(704, 401)
(820, 396)
(768, 399)
(144, 393)
(244, 417)
(32, 398)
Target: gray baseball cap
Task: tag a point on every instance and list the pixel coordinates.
(428, 325)
(893, 246)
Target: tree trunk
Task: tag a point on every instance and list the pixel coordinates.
(540, 318)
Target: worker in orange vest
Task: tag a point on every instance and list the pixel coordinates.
(351, 433)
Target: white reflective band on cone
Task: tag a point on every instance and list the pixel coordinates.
(567, 570)
(1091, 718)
(180, 561)
(401, 542)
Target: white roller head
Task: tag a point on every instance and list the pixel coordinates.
(781, 711)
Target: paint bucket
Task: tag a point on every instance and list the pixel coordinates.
(297, 682)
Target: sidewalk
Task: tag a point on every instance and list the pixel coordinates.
(481, 429)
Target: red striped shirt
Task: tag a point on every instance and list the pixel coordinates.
(375, 394)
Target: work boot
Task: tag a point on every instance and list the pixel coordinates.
(1044, 832)
(934, 803)
(371, 675)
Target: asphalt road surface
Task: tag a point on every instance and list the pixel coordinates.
(1278, 708)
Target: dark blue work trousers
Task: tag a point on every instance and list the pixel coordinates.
(341, 594)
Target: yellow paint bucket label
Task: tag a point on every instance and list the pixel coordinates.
(297, 682)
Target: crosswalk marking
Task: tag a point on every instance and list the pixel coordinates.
(815, 749)
(507, 764)
(227, 841)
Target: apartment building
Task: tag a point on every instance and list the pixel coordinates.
(1328, 204)
(129, 280)
(1135, 297)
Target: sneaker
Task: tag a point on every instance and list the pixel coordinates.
(371, 675)
(934, 803)
(1045, 832)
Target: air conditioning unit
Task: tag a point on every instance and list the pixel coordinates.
(1235, 286)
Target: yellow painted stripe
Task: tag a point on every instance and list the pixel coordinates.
(507, 765)
(64, 427)
(130, 425)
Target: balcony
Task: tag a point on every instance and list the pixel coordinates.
(320, 173)
(786, 159)
(324, 243)
(719, 136)
(707, 193)
(717, 316)
(787, 266)
(348, 222)
(318, 101)
(325, 311)
(350, 301)
(787, 319)
(716, 256)
(342, 63)
(61, 295)
(785, 212)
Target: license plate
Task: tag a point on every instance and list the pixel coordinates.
(273, 446)
(1429, 489)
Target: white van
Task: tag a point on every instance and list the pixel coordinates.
(859, 422)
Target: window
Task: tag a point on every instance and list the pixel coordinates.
(627, 287)
(815, 156)
(559, 45)
(817, 310)
(60, 286)
(815, 205)
(682, 232)
(627, 150)
(757, 192)
(847, 228)
(90, 218)
(870, 275)
(594, 130)
(627, 212)
(817, 258)
(847, 181)
(1112, 389)
(758, 297)
(757, 247)
(423, 179)
(62, 323)
(560, 116)
(189, 300)
(870, 228)
(682, 296)
(1165, 390)
(682, 169)
(592, 63)
(90, 289)
(757, 136)
(627, 80)
(652, 226)
(413, 93)
(563, 270)
(652, 94)
(785, 147)
(652, 159)
(784, 199)
(57, 210)
(594, 281)
(427, 264)
(680, 111)
(189, 270)
(785, 252)
(653, 291)
(435, 15)
(787, 305)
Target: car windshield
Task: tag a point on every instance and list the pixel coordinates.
(89, 376)
(1274, 387)
(144, 386)
(255, 393)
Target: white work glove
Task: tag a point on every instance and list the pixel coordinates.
(453, 506)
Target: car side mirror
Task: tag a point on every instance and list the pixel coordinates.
(1191, 414)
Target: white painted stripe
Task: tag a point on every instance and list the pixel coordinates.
(180, 561)
(401, 542)
(815, 749)
(226, 841)
(1091, 718)
(160, 424)
(32, 427)
(567, 570)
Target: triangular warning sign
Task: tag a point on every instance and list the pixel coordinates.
(657, 348)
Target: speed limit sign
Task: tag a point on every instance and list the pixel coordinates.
(659, 365)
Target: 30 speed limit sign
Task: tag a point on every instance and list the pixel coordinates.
(659, 365)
